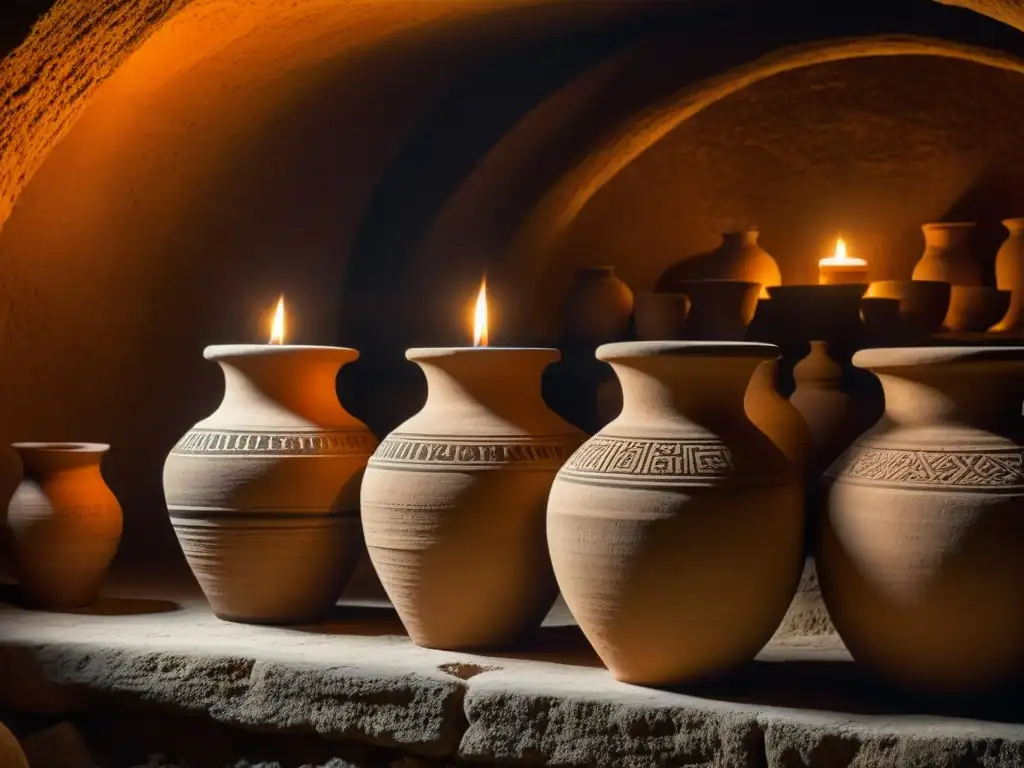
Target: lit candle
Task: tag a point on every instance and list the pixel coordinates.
(277, 325)
(841, 268)
(480, 316)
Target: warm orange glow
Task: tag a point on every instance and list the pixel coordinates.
(277, 327)
(840, 259)
(480, 317)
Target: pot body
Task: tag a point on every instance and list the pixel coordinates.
(453, 500)
(598, 306)
(676, 532)
(776, 416)
(948, 256)
(263, 494)
(1010, 275)
(919, 552)
(64, 524)
(720, 310)
(738, 257)
(11, 754)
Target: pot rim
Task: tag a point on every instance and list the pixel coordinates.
(228, 351)
(628, 349)
(903, 357)
(949, 225)
(431, 353)
(58, 446)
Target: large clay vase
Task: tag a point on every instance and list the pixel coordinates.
(264, 493)
(1010, 276)
(597, 307)
(64, 524)
(948, 255)
(453, 500)
(776, 416)
(676, 532)
(920, 552)
(738, 257)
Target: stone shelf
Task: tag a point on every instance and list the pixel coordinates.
(358, 678)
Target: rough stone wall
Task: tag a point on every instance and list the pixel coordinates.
(46, 83)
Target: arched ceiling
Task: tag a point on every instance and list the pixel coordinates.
(47, 82)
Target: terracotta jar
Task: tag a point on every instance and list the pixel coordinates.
(834, 417)
(1010, 275)
(919, 555)
(720, 310)
(948, 256)
(453, 500)
(738, 257)
(676, 532)
(64, 524)
(597, 307)
(776, 416)
(264, 493)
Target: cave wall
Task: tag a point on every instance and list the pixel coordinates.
(867, 148)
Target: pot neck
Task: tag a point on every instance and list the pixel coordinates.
(947, 235)
(985, 396)
(294, 389)
(1014, 226)
(40, 460)
(742, 237)
(478, 389)
(662, 394)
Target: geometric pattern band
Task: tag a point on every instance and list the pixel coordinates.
(644, 457)
(411, 452)
(212, 442)
(963, 469)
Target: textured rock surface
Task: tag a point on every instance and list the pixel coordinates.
(358, 679)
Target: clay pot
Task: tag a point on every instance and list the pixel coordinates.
(719, 309)
(923, 304)
(64, 524)
(263, 494)
(920, 549)
(11, 753)
(739, 257)
(975, 308)
(832, 311)
(661, 316)
(834, 417)
(879, 314)
(776, 416)
(1010, 275)
(453, 500)
(597, 307)
(948, 256)
(676, 532)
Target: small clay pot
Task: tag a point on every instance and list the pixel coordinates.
(1009, 268)
(919, 554)
(738, 257)
(64, 523)
(923, 303)
(453, 501)
(720, 310)
(263, 494)
(597, 307)
(948, 255)
(661, 316)
(975, 308)
(879, 314)
(676, 532)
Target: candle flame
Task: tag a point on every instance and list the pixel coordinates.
(480, 316)
(277, 327)
(840, 258)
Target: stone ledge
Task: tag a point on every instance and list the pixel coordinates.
(357, 678)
